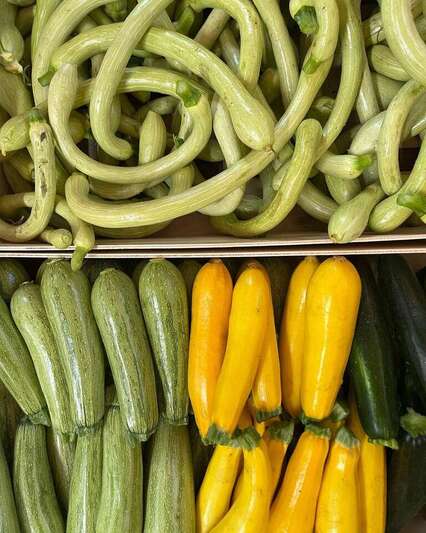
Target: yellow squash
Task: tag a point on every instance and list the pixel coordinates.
(266, 393)
(338, 508)
(371, 478)
(211, 305)
(247, 325)
(331, 312)
(277, 437)
(292, 335)
(216, 489)
(293, 510)
(249, 512)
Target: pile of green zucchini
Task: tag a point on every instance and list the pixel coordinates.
(95, 424)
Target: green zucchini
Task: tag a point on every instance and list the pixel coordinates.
(120, 506)
(189, 269)
(31, 319)
(119, 317)
(279, 274)
(201, 454)
(17, 370)
(61, 450)
(163, 296)
(36, 503)
(93, 267)
(86, 482)
(12, 274)
(66, 297)
(170, 499)
(8, 517)
(406, 302)
(10, 414)
(371, 365)
(136, 274)
(406, 479)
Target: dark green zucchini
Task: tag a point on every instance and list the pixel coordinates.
(36, 503)
(170, 499)
(93, 267)
(66, 297)
(12, 274)
(61, 450)
(8, 517)
(201, 454)
(120, 505)
(371, 365)
(86, 483)
(163, 296)
(406, 475)
(406, 303)
(10, 414)
(189, 269)
(119, 317)
(17, 370)
(279, 273)
(136, 274)
(31, 319)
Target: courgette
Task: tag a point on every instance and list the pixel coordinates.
(201, 454)
(31, 319)
(93, 267)
(119, 317)
(10, 414)
(66, 297)
(17, 370)
(8, 516)
(36, 503)
(120, 505)
(61, 450)
(86, 483)
(279, 272)
(406, 302)
(189, 269)
(12, 274)
(163, 296)
(170, 499)
(371, 365)
(136, 274)
(406, 478)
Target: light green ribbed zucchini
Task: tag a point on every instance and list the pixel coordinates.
(66, 297)
(86, 482)
(17, 370)
(31, 319)
(8, 517)
(170, 499)
(36, 503)
(120, 507)
(119, 318)
(163, 296)
(12, 274)
(61, 450)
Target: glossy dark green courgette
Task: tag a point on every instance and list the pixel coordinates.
(371, 365)
(163, 296)
(189, 269)
(406, 303)
(406, 477)
(279, 272)
(66, 297)
(93, 267)
(12, 274)
(119, 318)
(201, 454)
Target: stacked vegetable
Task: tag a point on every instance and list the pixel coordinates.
(96, 365)
(145, 112)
